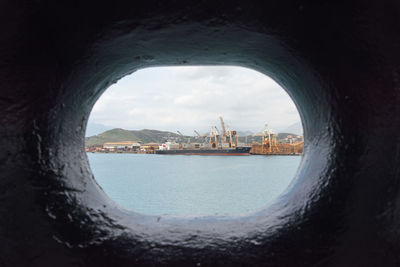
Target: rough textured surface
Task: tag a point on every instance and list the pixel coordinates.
(339, 62)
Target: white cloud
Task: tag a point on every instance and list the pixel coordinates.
(188, 98)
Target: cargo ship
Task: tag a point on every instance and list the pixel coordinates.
(216, 144)
(237, 151)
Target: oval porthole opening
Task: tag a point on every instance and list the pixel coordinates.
(196, 111)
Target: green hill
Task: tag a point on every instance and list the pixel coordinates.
(141, 136)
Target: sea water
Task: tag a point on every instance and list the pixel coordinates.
(181, 185)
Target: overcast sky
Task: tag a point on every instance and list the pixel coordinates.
(192, 98)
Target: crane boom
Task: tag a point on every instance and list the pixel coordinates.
(179, 133)
(197, 133)
(222, 125)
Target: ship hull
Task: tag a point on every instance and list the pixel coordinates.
(239, 151)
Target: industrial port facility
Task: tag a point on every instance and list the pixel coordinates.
(216, 142)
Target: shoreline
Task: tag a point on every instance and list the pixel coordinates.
(149, 153)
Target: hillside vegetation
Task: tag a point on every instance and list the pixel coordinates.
(118, 135)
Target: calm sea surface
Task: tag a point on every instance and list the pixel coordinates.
(193, 185)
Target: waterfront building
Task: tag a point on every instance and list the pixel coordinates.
(124, 145)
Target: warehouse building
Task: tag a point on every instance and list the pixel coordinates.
(123, 145)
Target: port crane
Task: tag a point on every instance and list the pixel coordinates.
(269, 138)
(229, 136)
(197, 133)
(200, 136)
(214, 134)
(183, 136)
(222, 126)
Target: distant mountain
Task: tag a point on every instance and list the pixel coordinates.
(141, 136)
(245, 133)
(96, 128)
(285, 135)
(295, 128)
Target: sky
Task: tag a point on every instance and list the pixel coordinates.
(193, 98)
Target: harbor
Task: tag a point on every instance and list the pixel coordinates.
(192, 185)
(224, 142)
